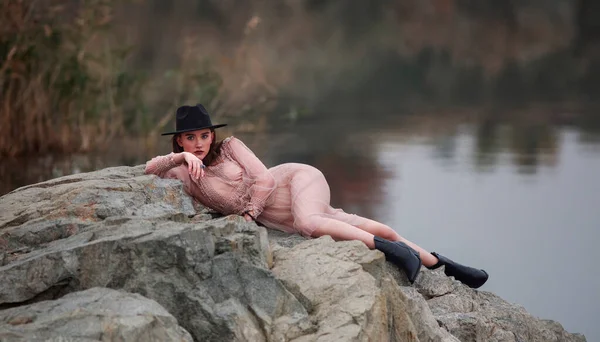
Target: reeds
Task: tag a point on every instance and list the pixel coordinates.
(67, 84)
(62, 86)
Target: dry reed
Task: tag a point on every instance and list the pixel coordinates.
(62, 86)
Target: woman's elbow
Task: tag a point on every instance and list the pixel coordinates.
(265, 182)
(148, 170)
(153, 169)
(271, 182)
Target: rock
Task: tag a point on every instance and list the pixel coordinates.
(425, 323)
(473, 315)
(189, 268)
(220, 278)
(96, 314)
(347, 290)
(482, 316)
(193, 267)
(56, 209)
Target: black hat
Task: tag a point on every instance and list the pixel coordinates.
(194, 118)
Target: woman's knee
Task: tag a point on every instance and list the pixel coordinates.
(307, 224)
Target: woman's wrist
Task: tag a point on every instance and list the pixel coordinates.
(250, 213)
(178, 158)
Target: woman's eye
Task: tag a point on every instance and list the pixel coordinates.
(205, 136)
(190, 137)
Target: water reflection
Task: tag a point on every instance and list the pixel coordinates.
(17, 172)
(530, 145)
(589, 127)
(487, 137)
(533, 145)
(528, 230)
(345, 150)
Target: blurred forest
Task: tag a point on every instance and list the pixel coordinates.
(76, 75)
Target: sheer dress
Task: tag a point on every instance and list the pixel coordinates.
(291, 197)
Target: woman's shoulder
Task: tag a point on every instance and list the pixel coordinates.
(229, 138)
(232, 146)
(231, 142)
(225, 148)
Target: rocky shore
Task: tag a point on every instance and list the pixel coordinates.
(116, 255)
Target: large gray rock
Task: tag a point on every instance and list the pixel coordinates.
(224, 279)
(473, 315)
(38, 214)
(346, 289)
(97, 314)
(212, 275)
(192, 269)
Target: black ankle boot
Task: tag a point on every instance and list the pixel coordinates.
(406, 258)
(469, 276)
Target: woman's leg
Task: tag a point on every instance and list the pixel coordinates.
(312, 213)
(365, 232)
(398, 253)
(314, 216)
(339, 230)
(468, 275)
(384, 231)
(376, 227)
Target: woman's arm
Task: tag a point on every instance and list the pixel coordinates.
(256, 173)
(161, 164)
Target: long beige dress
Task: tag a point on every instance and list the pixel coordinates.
(291, 197)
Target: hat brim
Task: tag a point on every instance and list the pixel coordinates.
(194, 129)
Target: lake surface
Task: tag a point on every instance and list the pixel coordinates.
(520, 199)
(530, 218)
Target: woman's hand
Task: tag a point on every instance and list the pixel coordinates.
(195, 165)
(249, 216)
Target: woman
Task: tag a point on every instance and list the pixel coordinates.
(227, 177)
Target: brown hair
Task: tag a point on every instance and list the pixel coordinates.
(213, 152)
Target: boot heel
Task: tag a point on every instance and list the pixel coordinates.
(472, 277)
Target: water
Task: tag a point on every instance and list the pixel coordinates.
(535, 234)
(519, 199)
(529, 217)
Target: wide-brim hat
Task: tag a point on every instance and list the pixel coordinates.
(192, 118)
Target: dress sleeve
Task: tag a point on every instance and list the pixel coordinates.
(255, 173)
(160, 165)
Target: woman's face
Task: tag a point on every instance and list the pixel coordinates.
(196, 142)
